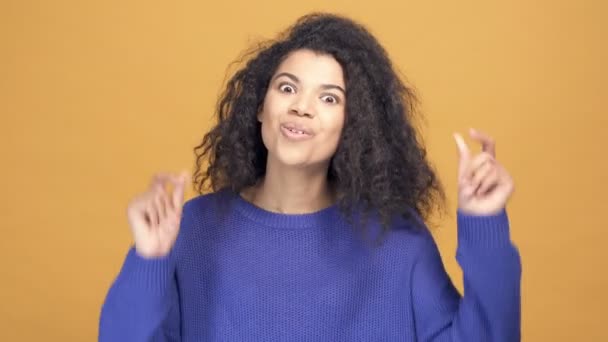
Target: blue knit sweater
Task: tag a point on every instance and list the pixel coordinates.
(240, 273)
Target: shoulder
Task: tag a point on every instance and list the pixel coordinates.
(412, 235)
(201, 219)
(203, 212)
(412, 227)
(407, 241)
(208, 203)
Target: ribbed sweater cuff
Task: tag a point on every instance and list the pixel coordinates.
(146, 274)
(489, 231)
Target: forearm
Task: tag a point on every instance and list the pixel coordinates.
(141, 302)
(490, 307)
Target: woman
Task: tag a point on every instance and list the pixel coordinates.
(315, 155)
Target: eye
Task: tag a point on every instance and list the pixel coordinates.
(330, 99)
(287, 88)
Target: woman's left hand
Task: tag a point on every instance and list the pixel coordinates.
(484, 186)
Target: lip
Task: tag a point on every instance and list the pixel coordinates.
(297, 126)
(295, 136)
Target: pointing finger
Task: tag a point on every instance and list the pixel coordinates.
(487, 142)
(159, 180)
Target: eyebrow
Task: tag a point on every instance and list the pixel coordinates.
(323, 86)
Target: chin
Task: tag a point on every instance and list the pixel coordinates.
(296, 156)
(292, 160)
(303, 163)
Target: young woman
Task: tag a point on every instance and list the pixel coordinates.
(314, 156)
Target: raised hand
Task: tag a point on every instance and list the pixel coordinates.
(155, 215)
(484, 186)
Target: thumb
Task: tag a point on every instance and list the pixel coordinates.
(178, 191)
(463, 151)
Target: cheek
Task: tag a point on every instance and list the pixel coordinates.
(269, 107)
(334, 125)
(270, 111)
(273, 101)
(266, 126)
(269, 123)
(337, 122)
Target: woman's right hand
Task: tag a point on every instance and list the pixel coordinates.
(155, 215)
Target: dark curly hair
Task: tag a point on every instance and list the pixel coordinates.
(380, 165)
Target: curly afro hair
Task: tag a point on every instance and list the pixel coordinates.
(380, 165)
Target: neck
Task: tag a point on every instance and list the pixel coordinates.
(292, 190)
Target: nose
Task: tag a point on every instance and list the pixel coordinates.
(302, 106)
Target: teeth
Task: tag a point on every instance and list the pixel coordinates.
(295, 131)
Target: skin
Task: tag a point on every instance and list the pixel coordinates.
(306, 89)
(484, 185)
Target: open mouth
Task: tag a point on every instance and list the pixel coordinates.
(293, 133)
(293, 130)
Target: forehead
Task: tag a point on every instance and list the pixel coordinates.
(312, 67)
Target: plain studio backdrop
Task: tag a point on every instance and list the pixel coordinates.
(96, 96)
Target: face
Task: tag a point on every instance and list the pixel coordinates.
(303, 112)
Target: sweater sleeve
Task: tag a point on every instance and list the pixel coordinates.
(489, 310)
(142, 303)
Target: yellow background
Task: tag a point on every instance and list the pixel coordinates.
(96, 96)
